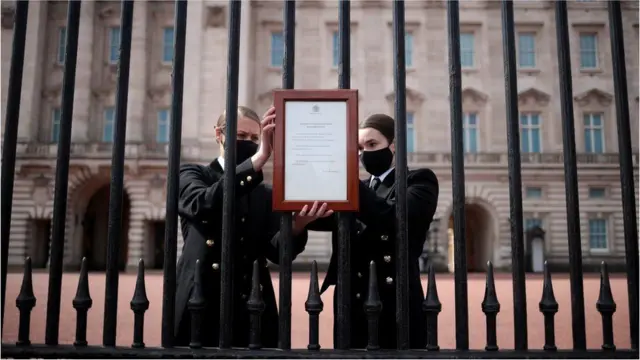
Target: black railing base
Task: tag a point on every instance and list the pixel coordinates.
(99, 352)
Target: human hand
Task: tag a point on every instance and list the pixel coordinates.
(306, 215)
(268, 126)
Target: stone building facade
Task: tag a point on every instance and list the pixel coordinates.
(486, 176)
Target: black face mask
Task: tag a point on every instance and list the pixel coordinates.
(377, 162)
(244, 150)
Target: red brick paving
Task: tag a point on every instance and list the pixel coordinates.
(153, 318)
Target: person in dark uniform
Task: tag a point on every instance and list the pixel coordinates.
(256, 237)
(375, 235)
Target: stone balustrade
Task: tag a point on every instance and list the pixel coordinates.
(205, 152)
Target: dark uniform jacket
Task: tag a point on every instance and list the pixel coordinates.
(374, 239)
(256, 237)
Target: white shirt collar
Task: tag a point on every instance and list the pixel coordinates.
(383, 176)
(221, 161)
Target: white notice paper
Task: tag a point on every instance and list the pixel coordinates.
(315, 151)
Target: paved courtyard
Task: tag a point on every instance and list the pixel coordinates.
(153, 318)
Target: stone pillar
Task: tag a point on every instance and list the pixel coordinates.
(244, 83)
(32, 72)
(83, 94)
(138, 78)
(193, 70)
(136, 243)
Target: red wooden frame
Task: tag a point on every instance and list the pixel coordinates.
(350, 96)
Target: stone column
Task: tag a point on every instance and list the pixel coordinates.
(244, 83)
(193, 70)
(136, 244)
(83, 94)
(138, 78)
(32, 72)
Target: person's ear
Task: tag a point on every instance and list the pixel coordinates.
(218, 134)
(392, 147)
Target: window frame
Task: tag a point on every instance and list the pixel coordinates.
(61, 48)
(272, 34)
(595, 51)
(167, 124)
(56, 121)
(606, 233)
(592, 128)
(168, 49)
(530, 127)
(106, 121)
(409, 42)
(113, 44)
(411, 139)
(466, 127)
(592, 189)
(472, 50)
(533, 51)
(533, 188)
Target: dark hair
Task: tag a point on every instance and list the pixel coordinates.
(383, 123)
(243, 111)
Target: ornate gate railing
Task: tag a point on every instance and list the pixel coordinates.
(490, 305)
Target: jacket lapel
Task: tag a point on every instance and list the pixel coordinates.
(243, 204)
(388, 185)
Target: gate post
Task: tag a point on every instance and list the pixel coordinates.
(11, 135)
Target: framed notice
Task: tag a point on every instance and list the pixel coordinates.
(316, 149)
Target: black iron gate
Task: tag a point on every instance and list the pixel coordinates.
(490, 306)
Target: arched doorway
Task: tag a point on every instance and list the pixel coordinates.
(479, 236)
(95, 231)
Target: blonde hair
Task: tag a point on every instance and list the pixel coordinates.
(243, 111)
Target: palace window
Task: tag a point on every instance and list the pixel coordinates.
(593, 133)
(470, 133)
(167, 44)
(162, 130)
(108, 126)
(56, 116)
(527, 50)
(277, 49)
(598, 234)
(408, 49)
(588, 50)
(530, 223)
(597, 192)
(530, 133)
(114, 44)
(533, 192)
(411, 133)
(467, 51)
(62, 42)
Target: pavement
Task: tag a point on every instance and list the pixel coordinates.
(300, 320)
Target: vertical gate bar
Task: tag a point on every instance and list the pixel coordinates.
(139, 304)
(457, 172)
(626, 164)
(515, 179)
(229, 202)
(62, 174)
(343, 287)
(173, 173)
(286, 251)
(82, 302)
(570, 177)
(314, 307)
(116, 188)
(402, 244)
(9, 143)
